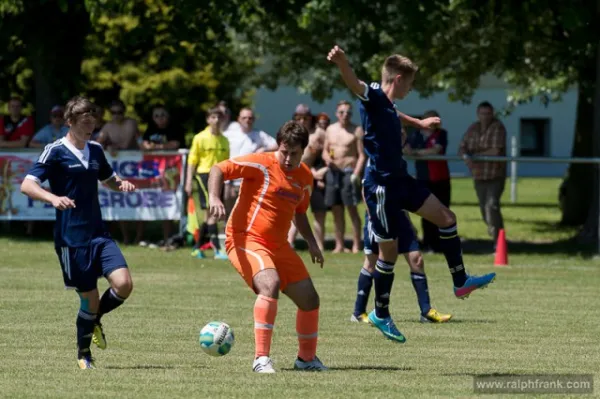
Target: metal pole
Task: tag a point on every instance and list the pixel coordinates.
(513, 169)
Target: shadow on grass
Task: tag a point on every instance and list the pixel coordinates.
(452, 321)
(565, 247)
(508, 205)
(364, 368)
(140, 367)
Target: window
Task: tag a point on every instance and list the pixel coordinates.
(535, 137)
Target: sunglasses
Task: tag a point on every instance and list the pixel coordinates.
(162, 115)
(118, 112)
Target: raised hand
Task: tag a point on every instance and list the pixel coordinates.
(337, 55)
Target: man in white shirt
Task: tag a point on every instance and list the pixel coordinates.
(244, 140)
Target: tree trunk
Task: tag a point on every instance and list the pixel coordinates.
(55, 47)
(576, 190)
(589, 233)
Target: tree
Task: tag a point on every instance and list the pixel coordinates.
(184, 54)
(542, 47)
(44, 42)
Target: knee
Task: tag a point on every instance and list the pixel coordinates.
(369, 264)
(450, 217)
(415, 262)
(311, 302)
(269, 289)
(124, 287)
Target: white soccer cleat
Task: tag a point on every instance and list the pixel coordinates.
(313, 365)
(263, 364)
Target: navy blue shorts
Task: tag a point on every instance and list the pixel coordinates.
(83, 266)
(386, 205)
(407, 240)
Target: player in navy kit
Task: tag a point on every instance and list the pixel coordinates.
(389, 190)
(73, 166)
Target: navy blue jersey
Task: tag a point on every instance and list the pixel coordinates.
(383, 134)
(74, 173)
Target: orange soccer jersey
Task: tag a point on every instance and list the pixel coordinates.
(259, 223)
(268, 199)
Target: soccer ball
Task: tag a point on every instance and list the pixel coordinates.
(216, 338)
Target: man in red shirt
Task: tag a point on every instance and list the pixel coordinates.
(15, 129)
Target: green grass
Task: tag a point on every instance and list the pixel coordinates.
(537, 318)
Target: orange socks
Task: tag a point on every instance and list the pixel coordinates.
(265, 310)
(307, 327)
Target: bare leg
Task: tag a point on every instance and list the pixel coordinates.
(356, 228)
(340, 227)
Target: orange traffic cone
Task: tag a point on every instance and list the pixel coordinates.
(501, 250)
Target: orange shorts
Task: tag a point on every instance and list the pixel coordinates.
(250, 257)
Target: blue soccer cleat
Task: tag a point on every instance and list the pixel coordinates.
(387, 328)
(473, 283)
(221, 255)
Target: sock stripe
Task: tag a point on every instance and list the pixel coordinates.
(85, 315)
(383, 265)
(417, 276)
(307, 336)
(447, 237)
(117, 297)
(448, 230)
(365, 272)
(263, 326)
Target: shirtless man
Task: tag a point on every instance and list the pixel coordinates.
(120, 134)
(343, 153)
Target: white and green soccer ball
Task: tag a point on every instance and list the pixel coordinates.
(216, 338)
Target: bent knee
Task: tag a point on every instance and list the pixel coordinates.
(312, 302)
(450, 217)
(124, 287)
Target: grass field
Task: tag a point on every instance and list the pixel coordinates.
(538, 318)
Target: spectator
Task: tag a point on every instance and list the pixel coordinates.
(15, 128)
(53, 131)
(161, 134)
(121, 132)
(345, 157)
(226, 123)
(314, 159)
(209, 147)
(487, 137)
(244, 140)
(323, 121)
(119, 135)
(434, 174)
(99, 118)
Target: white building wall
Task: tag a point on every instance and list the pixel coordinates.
(275, 108)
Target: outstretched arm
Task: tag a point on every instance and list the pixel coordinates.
(338, 57)
(426, 123)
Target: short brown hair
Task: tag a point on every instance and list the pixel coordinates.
(292, 134)
(78, 106)
(343, 102)
(397, 65)
(215, 111)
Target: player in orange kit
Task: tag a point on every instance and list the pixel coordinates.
(275, 190)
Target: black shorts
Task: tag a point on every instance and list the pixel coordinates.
(317, 200)
(339, 189)
(200, 192)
